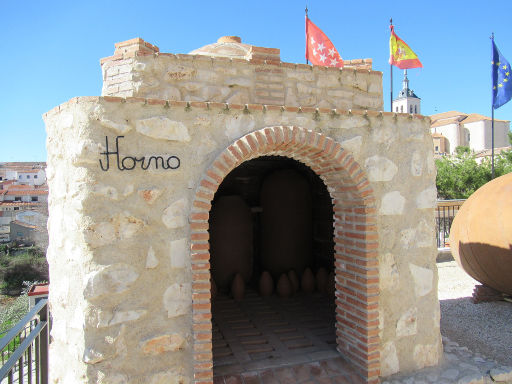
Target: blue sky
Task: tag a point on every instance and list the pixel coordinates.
(51, 50)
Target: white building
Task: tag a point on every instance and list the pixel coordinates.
(24, 173)
(8, 212)
(407, 101)
(23, 196)
(31, 177)
(469, 130)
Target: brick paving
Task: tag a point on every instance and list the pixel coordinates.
(330, 371)
(271, 340)
(459, 364)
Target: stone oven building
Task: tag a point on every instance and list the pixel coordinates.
(137, 175)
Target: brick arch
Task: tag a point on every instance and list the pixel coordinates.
(355, 236)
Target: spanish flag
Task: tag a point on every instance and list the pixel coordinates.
(400, 55)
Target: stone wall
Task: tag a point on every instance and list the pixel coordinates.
(128, 247)
(138, 69)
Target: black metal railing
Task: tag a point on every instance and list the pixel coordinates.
(445, 213)
(24, 348)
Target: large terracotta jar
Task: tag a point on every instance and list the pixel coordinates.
(481, 235)
(266, 284)
(286, 223)
(238, 287)
(231, 240)
(294, 280)
(284, 288)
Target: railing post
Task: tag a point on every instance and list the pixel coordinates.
(20, 369)
(29, 361)
(44, 342)
(438, 226)
(36, 355)
(445, 211)
(29, 339)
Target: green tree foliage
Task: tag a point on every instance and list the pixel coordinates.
(19, 265)
(461, 150)
(502, 163)
(13, 312)
(460, 175)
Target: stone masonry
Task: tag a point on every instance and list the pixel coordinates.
(151, 74)
(132, 174)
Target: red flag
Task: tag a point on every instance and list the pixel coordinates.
(319, 49)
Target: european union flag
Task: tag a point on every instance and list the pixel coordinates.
(501, 80)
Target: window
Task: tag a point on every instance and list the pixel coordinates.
(415, 110)
(35, 176)
(401, 109)
(19, 177)
(28, 176)
(410, 109)
(396, 109)
(16, 208)
(34, 198)
(17, 198)
(437, 148)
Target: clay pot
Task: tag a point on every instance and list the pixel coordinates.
(308, 281)
(238, 287)
(321, 280)
(294, 280)
(284, 287)
(481, 234)
(286, 222)
(213, 289)
(266, 284)
(331, 285)
(231, 240)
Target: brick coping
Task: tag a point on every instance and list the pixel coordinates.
(254, 61)
(208, 105)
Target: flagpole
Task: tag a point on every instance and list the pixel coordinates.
(307, 62)
(492, 120)
(492, 145)
(391, 77)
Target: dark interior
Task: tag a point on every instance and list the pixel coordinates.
(271, 214)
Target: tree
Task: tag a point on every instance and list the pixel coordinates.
(19, 265)
(460, 175)
(502, 163)
(461, 150)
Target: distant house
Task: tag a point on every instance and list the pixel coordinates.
(23, 232)
(441, 144)
(32, 177)
(24, 173)
(26, 195)
(23, 189)
(8, 212)
(472, 130)
(26, 233)
(486, 154)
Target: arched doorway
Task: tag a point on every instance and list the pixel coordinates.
(271, 222)
(355, 242)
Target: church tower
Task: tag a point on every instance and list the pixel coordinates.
(407, 101)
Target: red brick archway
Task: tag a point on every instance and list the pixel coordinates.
(355, 232)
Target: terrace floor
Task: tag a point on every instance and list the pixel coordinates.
(277, 340)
